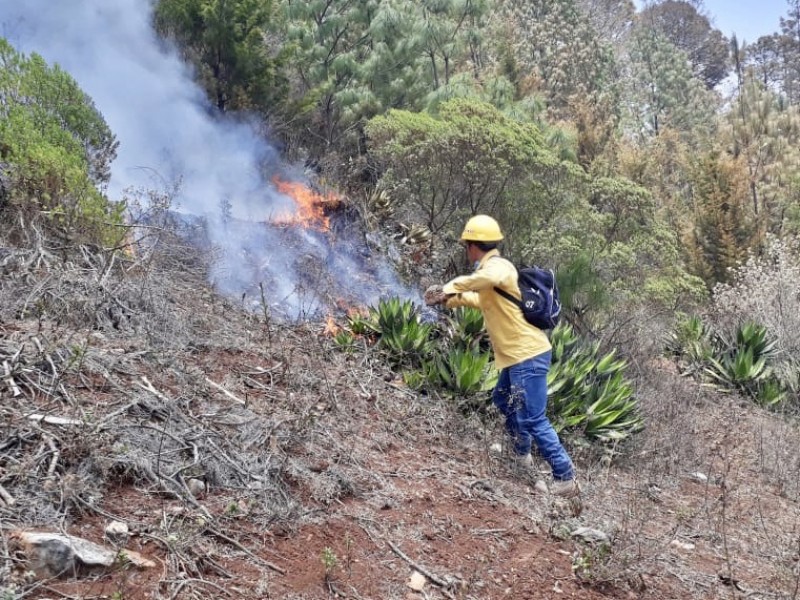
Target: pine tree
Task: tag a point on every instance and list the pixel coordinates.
(763, 132)
(226, 40)
(661, 90)
(689, 31)
(723, 234)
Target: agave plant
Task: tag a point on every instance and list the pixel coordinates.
(562, 339)
(392, 314)
(400, 331)
(345, 340)
(414, 379)
(590, 392)
(465, 328)
(462, 372)
(756, 338)
(743, 364)
(771, 392)
(787, 373)
(694, 342)
(410, 343)
(615, 413)
(738, 371)
(359, 324)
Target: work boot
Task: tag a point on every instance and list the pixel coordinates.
(565, 489)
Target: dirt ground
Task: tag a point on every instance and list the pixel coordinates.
(324, 477)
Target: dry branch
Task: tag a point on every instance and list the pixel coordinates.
(7, 498)
(150, 388)
(181, 583)
(10, 380)
(233, 542)
(56, 455)
(226, 392)
(51, 420)
(442, 583)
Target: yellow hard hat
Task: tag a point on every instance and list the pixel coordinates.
(481, 228)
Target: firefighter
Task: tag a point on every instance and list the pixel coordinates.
(522, 352)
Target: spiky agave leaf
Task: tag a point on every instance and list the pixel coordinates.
(589, 392)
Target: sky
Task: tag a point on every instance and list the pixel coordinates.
(748, 19)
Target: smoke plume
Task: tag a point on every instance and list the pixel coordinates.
(168, 133)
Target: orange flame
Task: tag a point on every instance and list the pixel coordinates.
(331, 328)
(310, 205)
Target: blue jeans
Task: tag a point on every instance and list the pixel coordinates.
(521, 395)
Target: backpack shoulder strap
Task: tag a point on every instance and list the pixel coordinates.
(504, 293)
(508, 296)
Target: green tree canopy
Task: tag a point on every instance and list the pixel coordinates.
(54, 144)
(469, 158)
(661, 89)
(232, 45)
(691, 32)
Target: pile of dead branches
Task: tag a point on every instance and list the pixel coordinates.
(125, 371)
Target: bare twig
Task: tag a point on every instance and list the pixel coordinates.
(52, 420)
(183, 582)
(110, 417)
(10, 380)
(233, 542)
(6, 497)
(150, 388)
(56, 455)
(226, 392)
(233, 463)
(442, 583)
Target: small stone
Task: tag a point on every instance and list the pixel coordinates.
(682, 545)
(540, 486)
(196, 487)
(699, 477)
(592, 536)
(496, 448)
(53, 555)
(417, 581)
(117, 533)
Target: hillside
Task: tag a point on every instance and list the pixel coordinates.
(252, 459)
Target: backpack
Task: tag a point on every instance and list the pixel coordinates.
(540, 304)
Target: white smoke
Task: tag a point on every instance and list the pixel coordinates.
(167, 133)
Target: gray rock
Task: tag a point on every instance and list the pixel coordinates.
(197, 487)
(53, 554)
(117, 533)
(591, 536)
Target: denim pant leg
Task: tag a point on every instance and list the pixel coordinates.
(529, 378)
(504, 401)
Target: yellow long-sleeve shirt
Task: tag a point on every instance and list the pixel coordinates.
(513, 338)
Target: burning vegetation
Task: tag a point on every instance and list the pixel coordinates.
(312, 208)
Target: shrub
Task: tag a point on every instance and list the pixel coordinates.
(764, 290)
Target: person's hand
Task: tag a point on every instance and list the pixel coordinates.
(434, 295)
